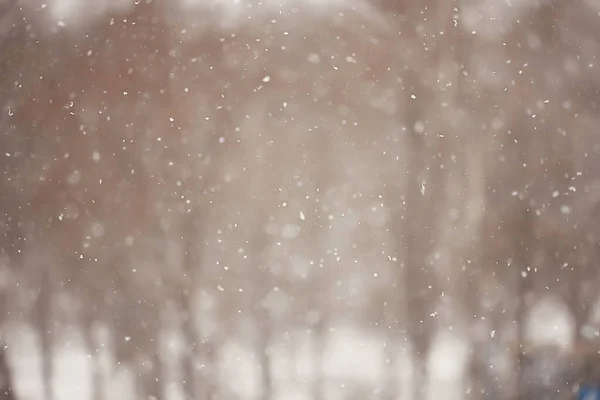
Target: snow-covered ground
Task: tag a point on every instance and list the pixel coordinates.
(352, 361)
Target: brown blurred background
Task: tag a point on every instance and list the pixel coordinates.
(301, 199)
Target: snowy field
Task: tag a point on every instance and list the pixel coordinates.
(352, 361)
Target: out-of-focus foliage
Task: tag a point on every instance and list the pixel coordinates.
(204, 190)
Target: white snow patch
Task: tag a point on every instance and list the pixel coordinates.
(549, 322)
(350, 353)
(446, 365)
(448, 356)
(72, 379)
(239, 370)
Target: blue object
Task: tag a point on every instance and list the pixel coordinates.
(589, 392)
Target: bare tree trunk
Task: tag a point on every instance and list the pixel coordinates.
(151, 378)
(189, 357)
(190, 266)
(419, 369)
(524, 247)
(265, 359)
(318, 382)
(44, 323)
(417, 232)
(155, 384)
(208, 388)
(195, 385)
(390, 385)
(97, 376)
(6, 378)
